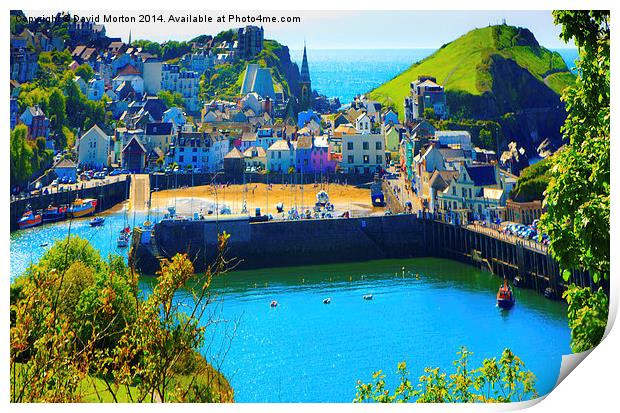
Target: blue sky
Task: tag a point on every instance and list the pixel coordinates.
(349, 29)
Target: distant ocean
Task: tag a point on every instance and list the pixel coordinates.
(350, 72)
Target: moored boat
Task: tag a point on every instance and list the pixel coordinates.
(96, 221)
(123, 237)
(54, 213)
(505, 296)
(30, 219)
(82, 208)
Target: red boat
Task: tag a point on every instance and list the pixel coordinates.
(30, 219)
(505, 296)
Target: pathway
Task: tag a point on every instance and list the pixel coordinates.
(139, 192)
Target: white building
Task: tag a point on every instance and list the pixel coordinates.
(185, 82)
(136, 82)
(96, 88)
(151, 73)
(176, 116)
(200, 150)
(363, 124)
(363, 153)
(93, 148)
(281, 156)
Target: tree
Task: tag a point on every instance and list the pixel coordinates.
(21, 154)
(429, 113)
(485, 137)
(577, 198)
(79, 330)
(85, 72)
(57, 110)
(494, 381)
(171, 99)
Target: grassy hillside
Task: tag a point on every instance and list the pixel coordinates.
(462, 65)
(226, 80)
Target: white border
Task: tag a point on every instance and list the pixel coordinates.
(591, 387)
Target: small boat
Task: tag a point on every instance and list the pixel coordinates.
(123, 239)
(82, 208)
(505, 296)
(327, 300)
(548, 292)
(54, 213)
(30, 219)
(517, 281)
(322, 198)
(368, 297)
(274, 303)
(45, 244)
(96, 222)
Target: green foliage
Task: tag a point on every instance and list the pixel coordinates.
(577, 218)
(494, 381)
(462, 66)
(587, 316)
(80, 331)
(429, 113)
(533, 181)
(85, 72)
(225, 80)
(21, 154)
(171, 98)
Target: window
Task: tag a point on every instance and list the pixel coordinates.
(194, 149)
(194, 158)
(181, 158)
(279, 155)
(454, 191)
(463, 192)
(181, 149)
(366, 159)
(470, 192)
(350, 159)
(378, 146)
(379, 160)
(350, 146)
(366, 146)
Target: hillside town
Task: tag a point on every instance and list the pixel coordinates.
(263, 131)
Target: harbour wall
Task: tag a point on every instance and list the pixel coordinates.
(107, 196)
(163, 181)
(309, 242)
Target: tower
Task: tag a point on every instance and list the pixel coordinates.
(129, 38)
(304, 84)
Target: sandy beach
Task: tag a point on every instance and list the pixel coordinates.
(263, 196)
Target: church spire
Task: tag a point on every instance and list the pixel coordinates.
(305, 73)
(129, 37)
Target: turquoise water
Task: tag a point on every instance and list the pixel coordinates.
(307, 351)
(346, 73)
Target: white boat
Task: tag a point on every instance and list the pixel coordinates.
(368, 297)
(327, 300)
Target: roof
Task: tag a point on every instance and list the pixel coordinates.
(260, 151)
(137, 141)
(482, 175)
(304, 142)
(65, 163)
(234, 154)
(492, 193)
(159, 128)
(128, 69)
(280, 145)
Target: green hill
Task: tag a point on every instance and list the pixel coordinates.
(469, 66)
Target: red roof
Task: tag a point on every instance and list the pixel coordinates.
(128, 69)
